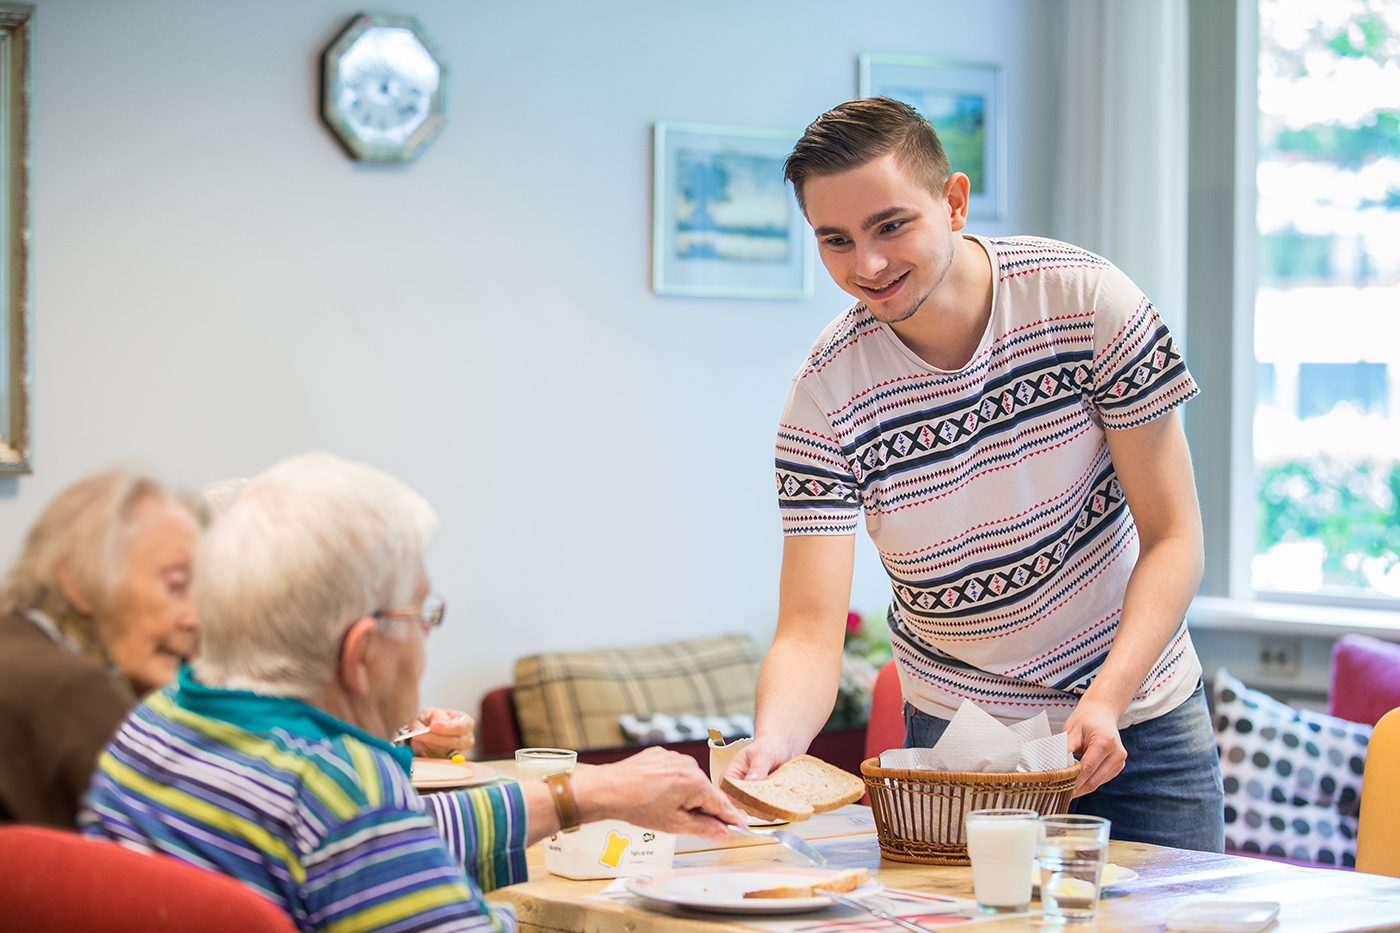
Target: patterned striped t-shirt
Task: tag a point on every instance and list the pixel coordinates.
(989, 491)
(309, 811)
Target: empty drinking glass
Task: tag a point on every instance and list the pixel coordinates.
(1071, 851)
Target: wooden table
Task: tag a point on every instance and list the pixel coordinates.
(1314, 900)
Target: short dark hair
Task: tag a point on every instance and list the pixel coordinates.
(859, 131)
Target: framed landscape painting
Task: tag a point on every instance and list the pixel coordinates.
(966, 103)
(724, 222)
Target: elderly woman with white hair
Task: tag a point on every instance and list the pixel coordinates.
(95, 613)
(438, 733)
(270, 759)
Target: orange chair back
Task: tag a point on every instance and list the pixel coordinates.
(886, 728)
(52, 880)
(1378, 831)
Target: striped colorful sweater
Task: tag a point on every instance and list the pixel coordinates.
(311, 812)
(989, 491)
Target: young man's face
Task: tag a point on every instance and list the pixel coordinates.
(883, 236)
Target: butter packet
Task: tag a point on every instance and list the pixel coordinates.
(608, 849)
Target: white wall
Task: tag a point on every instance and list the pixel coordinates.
(216, 287)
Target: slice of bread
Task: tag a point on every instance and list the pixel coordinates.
(839, 883)
(796, 790)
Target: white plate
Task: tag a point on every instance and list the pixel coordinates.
(722, 889)
(441, 774)
(1223, 916)
(1116, 874)
(1112, 875)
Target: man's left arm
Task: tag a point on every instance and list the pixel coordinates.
(1154, 468)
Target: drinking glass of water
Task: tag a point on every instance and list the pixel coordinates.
(1001, 845)
(1071, 851)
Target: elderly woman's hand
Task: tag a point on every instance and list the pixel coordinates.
(658, 789)
(452, 732)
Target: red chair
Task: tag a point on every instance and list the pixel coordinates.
(497, 728)
(886, 727)
(52, 881)
(1365, 679)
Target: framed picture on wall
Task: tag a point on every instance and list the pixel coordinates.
(16, 48)
(724, 222)
(966, 103)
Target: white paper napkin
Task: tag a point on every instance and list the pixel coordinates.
(1037, 727)
(1045, 754)
(975, 741)
(911, 759)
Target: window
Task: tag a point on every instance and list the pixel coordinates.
(1327, 308)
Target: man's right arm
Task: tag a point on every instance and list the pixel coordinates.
(801, 672)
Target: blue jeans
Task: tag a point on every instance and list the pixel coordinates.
(1169, 791)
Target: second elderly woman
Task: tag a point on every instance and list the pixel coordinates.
(95, 613)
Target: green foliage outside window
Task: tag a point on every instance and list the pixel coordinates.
(1291, 254)
(1348, 146)
(1352, 508)
(1372, 31)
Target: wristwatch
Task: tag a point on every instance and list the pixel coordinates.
(562, 789)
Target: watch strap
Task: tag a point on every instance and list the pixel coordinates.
(562, 789)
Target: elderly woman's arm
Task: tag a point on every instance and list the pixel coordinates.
(657, 789)
(485, 829)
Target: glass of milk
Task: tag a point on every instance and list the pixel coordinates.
(533, 764)
(1001, 844)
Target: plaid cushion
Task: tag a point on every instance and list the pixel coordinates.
(573, 699)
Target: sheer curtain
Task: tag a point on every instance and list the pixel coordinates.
(1120, 160)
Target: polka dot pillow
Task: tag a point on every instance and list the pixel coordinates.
(661, 729)
(1292, 777)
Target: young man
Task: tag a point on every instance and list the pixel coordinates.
(1003, 411)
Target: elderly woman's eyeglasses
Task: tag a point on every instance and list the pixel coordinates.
(429, 614)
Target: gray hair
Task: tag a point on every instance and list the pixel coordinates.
(85, 531)
(223, 493)
(307, 548)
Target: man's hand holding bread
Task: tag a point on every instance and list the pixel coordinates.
(794, 791)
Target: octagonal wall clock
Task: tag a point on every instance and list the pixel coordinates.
(382, 87)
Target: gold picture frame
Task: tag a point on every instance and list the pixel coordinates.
(16, 53)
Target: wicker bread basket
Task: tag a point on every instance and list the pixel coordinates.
(920, 815)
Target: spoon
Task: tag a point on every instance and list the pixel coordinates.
(410, 733)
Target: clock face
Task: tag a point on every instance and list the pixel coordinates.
(383, 88)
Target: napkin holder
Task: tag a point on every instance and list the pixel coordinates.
(608, 849)
(721, 755)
